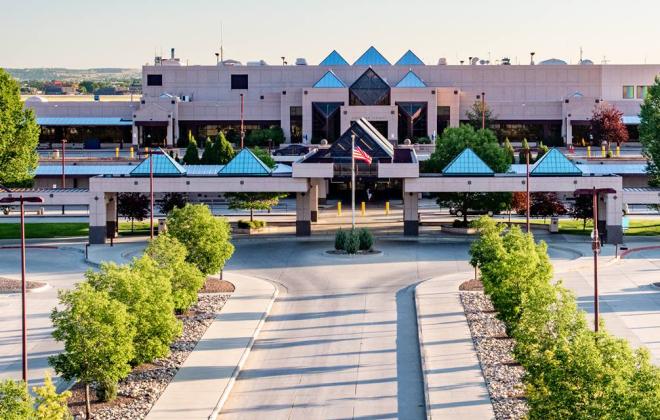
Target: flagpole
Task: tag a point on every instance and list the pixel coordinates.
(353, 180)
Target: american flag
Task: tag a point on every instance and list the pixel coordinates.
(359, 154)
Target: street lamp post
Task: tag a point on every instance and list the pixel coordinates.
(528, 151)
(483, 110)
(595, 242)
(151, 154)
(22, 200)
(242, 127)
(63, 166)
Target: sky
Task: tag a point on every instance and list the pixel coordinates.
(127, 33)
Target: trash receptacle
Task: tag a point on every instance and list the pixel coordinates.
(554, 225)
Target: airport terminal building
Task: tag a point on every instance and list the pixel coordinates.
(550, 101)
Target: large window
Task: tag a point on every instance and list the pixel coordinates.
(154, 80)
(412, 120)
(239, 81)
(629, 92)
(369, 89)
(642, 91)
(295, 123)
(444, 115)
(547, 131)
(326, 120)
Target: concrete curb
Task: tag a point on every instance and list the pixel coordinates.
(246, 353)
(453, 361)
(196, 391)
(422, 354)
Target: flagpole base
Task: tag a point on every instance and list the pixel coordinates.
(411, 228)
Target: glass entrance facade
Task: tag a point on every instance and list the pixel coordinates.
(369, 89)
(412, 120)
(326, 121)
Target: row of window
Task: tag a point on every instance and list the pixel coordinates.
(629, 92)
(238, 81)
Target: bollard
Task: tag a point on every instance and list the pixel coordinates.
(363, 208)
(602, 151)
(116, 152)
(387, 208)
(618, 151)
(338, 208)
(588, 151)
(131, 152)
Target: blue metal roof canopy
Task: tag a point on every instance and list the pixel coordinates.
(371, 57)
(334, 59)
(409, 59)
(164, 165)
(329, 80)
(245, 163)
(554, 163)
(467, 163)
(411, 80)
(78, 121)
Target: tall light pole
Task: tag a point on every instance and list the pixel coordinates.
(63, 168)
(242, 127)
(22, 200)
(353, 181)
(151, 153)
(595, 241)
(527, 207)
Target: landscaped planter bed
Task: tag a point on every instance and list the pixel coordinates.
(458, 230)
(15, 286)
(142, 388)
(495, 350)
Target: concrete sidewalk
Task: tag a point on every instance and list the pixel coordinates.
(202, 384)
(453, 381)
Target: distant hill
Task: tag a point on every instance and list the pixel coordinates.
(47, 74)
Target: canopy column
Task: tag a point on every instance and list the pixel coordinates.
(303, 214)
(410, 214)
(610, 215)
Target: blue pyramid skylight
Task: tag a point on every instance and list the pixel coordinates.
(371, 57)
(467, 163)
(409, 59)
(164, 165)
(245, 163)
(411, 80)
(334, 59)
(329, 80)
(555, 163)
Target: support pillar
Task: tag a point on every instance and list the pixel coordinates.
(303, 214)
(410, 214)
(111, 224)
(569, 132)
(97, 219)
(314, 202)
(611, 209)
(323, 191)
(170, 133)
(135, 134)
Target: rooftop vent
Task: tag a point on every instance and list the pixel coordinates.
(301, 61)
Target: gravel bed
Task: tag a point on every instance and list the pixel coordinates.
(14, 286)
(495, 350)
(140, 390)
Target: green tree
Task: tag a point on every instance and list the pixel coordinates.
(15, 401)
(484, 143)
(475, 115)
(524, 149)
(171, 201)
(191, 157)
(509, 150)
(264, 156)
(146, 291)
(19, 135)
(98, 335)
(206, 237)
(50, 404)
(135, 206)
(185, 279)
(649, 131)
(542, 150)
(218, 152)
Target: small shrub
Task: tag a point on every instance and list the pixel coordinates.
(106, 391)
(353, 242)
(609, 154)
(366, 240)
(251, 224)
(15, 400)
(341, 239)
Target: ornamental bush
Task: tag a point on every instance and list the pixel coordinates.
(49, 404)
(341, 238)
(185, 278)
(15, 400)
(206, 237)
(353, 242)
(251, 224)
(366, 240)
(146, 291)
